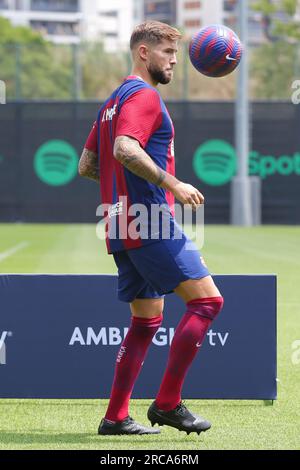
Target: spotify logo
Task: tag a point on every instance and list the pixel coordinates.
(55, 162)
(215, 162)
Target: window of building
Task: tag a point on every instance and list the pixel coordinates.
(164, 8)
(111, 34)
(230, 5)
(55, 28)
(109, 14)
(55, 5)
(193, 23)
(192, 5)
(230, 21)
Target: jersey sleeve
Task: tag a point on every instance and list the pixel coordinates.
(92, 140)
(140, 116)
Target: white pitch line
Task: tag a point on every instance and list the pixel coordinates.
(13, 250)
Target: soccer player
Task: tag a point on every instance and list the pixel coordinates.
(130, 152)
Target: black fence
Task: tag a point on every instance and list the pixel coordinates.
(40, 144)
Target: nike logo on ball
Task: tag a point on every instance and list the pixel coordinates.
(229, 58)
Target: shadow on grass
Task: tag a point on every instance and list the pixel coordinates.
(39, 437)
(206, 403)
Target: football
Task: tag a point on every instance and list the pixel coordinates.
(215, 50)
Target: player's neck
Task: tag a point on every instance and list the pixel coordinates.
(144, 75)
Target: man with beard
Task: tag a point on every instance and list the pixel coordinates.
(130, 151)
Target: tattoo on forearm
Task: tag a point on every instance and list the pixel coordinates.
(161, 177)
(88, 165)
(129, 153)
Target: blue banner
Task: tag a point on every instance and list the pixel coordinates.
(60, 335)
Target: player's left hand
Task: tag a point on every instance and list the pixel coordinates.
(188, 194)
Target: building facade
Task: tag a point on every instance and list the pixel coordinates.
(161, 10)
(71, 21)
(112, 21)
(59, 21)
(192, 15)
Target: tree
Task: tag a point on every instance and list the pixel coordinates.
(101, 72)
(31, 67)
(10, 35)
(34, 68)
(273, 63)
(274, 28)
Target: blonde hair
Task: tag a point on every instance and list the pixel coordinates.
(153, 32)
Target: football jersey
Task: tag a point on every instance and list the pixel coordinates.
(136, 110)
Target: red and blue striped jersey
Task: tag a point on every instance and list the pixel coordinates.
(134, 109)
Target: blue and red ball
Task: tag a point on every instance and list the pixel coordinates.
(215, 50)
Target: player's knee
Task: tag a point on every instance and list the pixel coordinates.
(208, 307)
(218, 305)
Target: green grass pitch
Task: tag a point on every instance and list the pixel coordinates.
(72, 424)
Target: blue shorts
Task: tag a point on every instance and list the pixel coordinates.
(156, 269)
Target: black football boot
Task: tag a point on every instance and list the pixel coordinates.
(127, 426)
(180, 418)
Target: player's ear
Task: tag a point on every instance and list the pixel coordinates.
(143, 51)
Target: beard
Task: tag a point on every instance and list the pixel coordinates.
(159, 76)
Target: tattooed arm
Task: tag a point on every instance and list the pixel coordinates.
(88, 165)
(130, 154)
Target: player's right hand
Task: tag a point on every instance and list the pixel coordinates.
(187, 194)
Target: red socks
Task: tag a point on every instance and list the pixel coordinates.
(187, 340)
(128, 365)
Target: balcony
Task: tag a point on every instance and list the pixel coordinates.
(158, 8)
(55, 28)
(66, 6)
